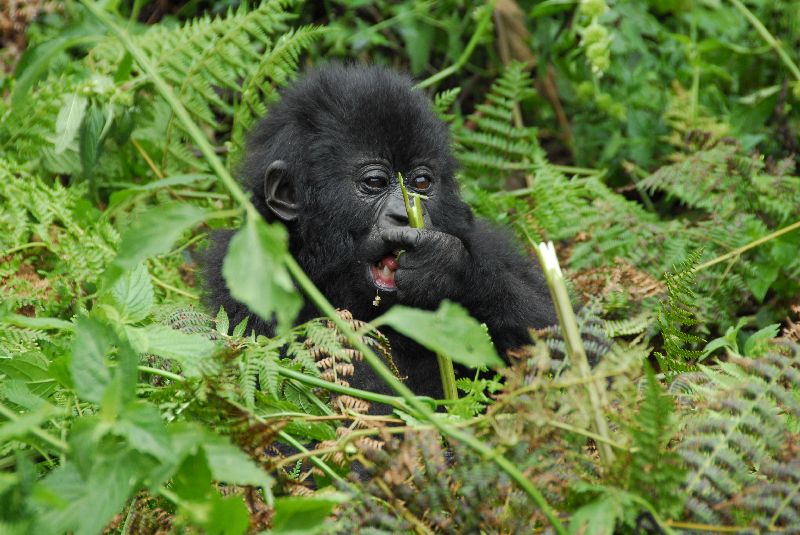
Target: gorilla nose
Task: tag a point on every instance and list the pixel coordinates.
(394, 214)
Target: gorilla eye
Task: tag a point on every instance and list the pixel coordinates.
(375, 181)
(422, 182)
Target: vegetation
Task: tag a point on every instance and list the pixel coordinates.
(656, 143)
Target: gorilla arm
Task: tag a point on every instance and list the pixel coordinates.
(484, 272)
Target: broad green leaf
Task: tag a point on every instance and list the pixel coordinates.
(37, 323)
(226, 462)
(596, 518)
(91, 376)
(231, 465)
(25, 423)
(68, 502)
(256, 275)
(131, 295)
(32, 368)
(449, 331)
(141, 424)
(760, 277)
(69, 121)
(153, 234)
(304, 515)
(89, 372)
(203, 505)
(192, 351)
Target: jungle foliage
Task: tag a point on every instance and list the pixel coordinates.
(656, 143)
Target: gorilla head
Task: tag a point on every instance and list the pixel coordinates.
(326, 161)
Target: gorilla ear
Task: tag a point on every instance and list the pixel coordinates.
(279, 192)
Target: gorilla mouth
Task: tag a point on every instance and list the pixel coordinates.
(382, 273)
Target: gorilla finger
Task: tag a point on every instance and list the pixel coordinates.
(410, 237)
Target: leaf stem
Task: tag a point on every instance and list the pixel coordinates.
(769, 38)
(755, 243)
(480, 29)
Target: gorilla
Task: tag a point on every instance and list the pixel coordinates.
(326, 161)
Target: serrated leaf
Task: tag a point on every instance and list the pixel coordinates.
(69, 120)
(153, 234)
(141, 424)
(192, 351)
(89, 372)
(255, 273)
(68, 502)
(222, 322)
(449, 331)
(91, 138)
(131, 295)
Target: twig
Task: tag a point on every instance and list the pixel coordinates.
(753, 244)
(769, 38)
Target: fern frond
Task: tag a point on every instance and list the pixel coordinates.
(656, 473)
(677, 312)
(260, 88)
(495, 146)
(742, 428)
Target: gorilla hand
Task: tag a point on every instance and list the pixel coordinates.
(433, 266)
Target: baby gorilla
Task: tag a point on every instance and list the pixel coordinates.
(325, 161)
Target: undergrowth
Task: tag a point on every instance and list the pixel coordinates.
(127, 408)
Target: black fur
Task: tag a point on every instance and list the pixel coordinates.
(324, 127)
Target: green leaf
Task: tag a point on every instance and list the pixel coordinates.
(141, 424)
(306, 515)
(756, 345)
(131, 295)
(91, 138)
(192, 351)
(203, 504)
(153, 234)
(256, 275)
(68, 502)
(69, 120)
(231, 465)
(449, 331)
(760, 278)
(596, 518)
(222, 322)
(89, 372)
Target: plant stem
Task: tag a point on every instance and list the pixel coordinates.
(391, 401)
(319, 463)
(308, 287)
(755, 243)
(480, 29)
(163, 373)
(573, 343)
(769, 38)
(448, 376)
